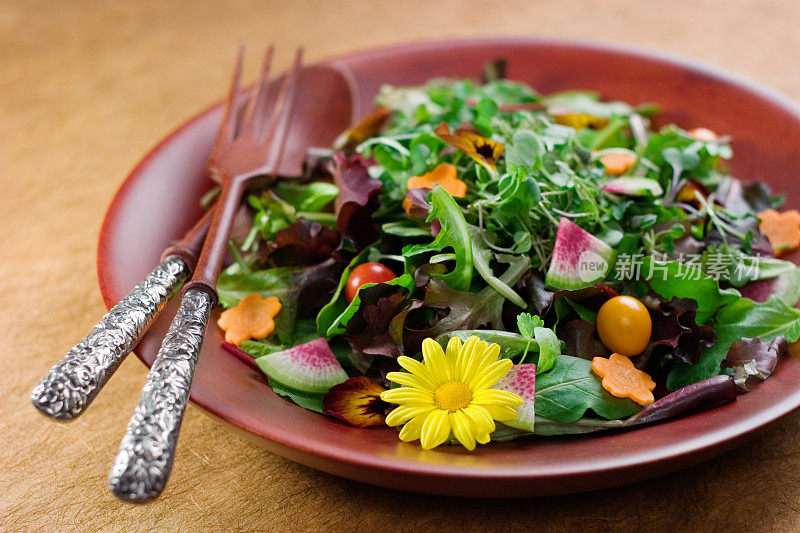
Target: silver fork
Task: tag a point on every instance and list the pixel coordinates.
(244, 149)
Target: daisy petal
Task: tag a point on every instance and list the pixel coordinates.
(435, 430)
(435, 360)
(409, 380)
(470, 359)
(480, 418)
(418, 369)
(462, 429)
(501, 413)
(482, 438)
(407, 395)
(490, 375)
(496, 397)
(413, 428)
(404, 413)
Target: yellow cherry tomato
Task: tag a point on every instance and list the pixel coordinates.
(624, 325)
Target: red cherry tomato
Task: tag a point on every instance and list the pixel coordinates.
(366, 273)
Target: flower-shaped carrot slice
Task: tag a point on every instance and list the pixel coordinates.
(252, 318)
(624, 380)
(445, 175)
(483, 150)
(782, 229)
(617, 163)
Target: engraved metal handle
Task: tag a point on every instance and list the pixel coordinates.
(145, 455)
(74, 381)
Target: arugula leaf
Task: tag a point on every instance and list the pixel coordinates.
(742, 318)
(454, 233)
(675, 280)
(311, 197)
(511, 344)
(481, 255)
(339, 324)
(737, 268)
(549, 348)
(306, 400)
(337, 304)
(571, 389)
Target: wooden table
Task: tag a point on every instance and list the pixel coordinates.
(86, 88)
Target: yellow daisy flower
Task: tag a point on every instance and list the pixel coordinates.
(450, 392)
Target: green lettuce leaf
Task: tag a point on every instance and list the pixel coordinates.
(675, 280)
(571, 388)
(737, 320)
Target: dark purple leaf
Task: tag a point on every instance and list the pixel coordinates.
(302, 243)
(368, 329)
(451, 310)
(579, 339)
(533, 290)
(676, 332)
(754, 360)
(316, 285)
(357, 200)
(740, 199)
(704, 394)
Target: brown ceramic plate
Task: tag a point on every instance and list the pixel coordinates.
(158, 202)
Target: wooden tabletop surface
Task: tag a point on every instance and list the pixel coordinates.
(87, 87)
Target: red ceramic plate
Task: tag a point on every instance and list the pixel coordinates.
(158, 202)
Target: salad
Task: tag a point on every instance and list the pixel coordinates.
(478, 261)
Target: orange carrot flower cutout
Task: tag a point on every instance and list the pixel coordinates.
(624, 380)
(485, 151)
(252, 318)
(357, 401)
(444, 175)
(617, 163)
(782, 229)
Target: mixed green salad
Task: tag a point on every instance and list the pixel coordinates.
(468, 238)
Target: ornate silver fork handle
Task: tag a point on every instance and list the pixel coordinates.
(145, 455)
(74, 381)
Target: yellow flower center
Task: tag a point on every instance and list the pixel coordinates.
(452, 396)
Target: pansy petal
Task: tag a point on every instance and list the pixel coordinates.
(435, 360)
(462, 429)
(407, 395)
(496, 397)
(491, 374)
(356, 401)
(413, 428)
(435, 430)
(418, 369)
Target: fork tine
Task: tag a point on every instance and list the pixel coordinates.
(253, 115)
(278, 125)
(228, 126)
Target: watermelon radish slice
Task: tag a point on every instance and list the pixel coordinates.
(633, 187)
(786, 286)
(521, 380)
(579, 258)
(308, 367)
